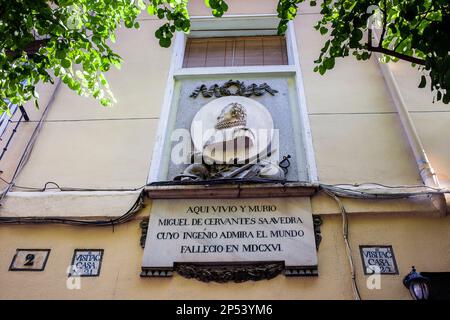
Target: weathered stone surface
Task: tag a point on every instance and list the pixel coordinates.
(280, 107)
(240, 230)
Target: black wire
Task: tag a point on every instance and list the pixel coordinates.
(51, 182)
(71, 188)
(335, 189)
(358, 194)
(381, 185)
(224, 181)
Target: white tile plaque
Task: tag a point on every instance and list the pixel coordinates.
(378, 259)
(225, 230)
(86, 262)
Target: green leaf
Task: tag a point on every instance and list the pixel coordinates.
(60, 54)
(160, 13)
(224, 6)
(357, 34)
(151, 10)
(165, 42)
(423, 82)
(446, 98)
(322, 70)
(105, 102)
(66, 63)
(129, 24)
(323, 30)
(329, 63)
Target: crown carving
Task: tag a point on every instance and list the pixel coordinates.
(233, 115)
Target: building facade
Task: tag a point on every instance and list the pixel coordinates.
(368, 169)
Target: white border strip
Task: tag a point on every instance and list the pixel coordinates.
(161, 133)
(294, 59)
(249, 70)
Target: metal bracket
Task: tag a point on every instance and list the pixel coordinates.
(317, 222)
(144, 227)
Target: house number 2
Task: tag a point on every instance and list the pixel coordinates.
(29, 260)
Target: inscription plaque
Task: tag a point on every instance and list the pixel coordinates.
(220, 231)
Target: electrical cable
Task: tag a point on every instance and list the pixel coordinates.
(45, 188)
(383, 185)
(93, 119)
(336, 190)
(367, 194)
(346, 242)
(350, 192)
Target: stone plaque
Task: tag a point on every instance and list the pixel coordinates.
(378, 259)
(29, 260)
(86, 263)
(220, 232)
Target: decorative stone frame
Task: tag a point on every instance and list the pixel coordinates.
(232, 26)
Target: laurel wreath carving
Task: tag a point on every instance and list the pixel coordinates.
(240, 90)
(235, 273)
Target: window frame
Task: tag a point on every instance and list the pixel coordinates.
(232, 51)
(232, 25)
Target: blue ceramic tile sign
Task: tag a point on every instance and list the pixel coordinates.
(86, 262)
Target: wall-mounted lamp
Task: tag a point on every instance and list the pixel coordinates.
(417, 285)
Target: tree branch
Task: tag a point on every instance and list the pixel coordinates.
(388, 52)
(30, 49)
(397, 55)
(384, 24)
